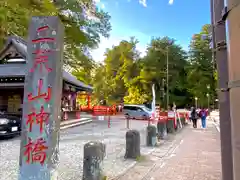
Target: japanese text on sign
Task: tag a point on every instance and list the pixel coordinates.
(35, 149)
(41, 57)
(46, 96)
(38, 118)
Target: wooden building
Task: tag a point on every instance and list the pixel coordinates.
(12, 73)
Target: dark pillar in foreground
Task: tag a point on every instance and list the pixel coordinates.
(230, 152)
(224, 98)
(39, 150)
(94, 153)
(132, 144)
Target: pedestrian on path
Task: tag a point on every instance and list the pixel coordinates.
(194, 117)
(203, 115)
(190, 114)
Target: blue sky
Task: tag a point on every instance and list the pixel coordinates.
(144, 19)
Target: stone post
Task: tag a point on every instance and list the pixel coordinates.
(170, 126)
(127, 121)
(94, 153)
(151, 135)
(132, 144)
(39, 150)
(162, 128)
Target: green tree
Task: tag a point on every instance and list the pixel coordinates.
(84, 24)
(154, 66)
(114, 77)
(201, 69)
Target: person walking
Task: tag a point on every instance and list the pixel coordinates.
(190, 114)
(203, 115)
(194, 117)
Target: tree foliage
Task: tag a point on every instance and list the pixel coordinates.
(84, 24)
(201, 71)
(126, 76)
(123, 75)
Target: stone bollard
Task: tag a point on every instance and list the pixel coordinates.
(183, 121)
(162, 129)
(132, 144)
(178, 127)
(170, 126)
(94, 153)
(151, 135)
(128, 119)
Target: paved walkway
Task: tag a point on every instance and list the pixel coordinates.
(195, 156)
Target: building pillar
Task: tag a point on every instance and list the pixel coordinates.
(224, 96)
(89, 101)
(233, 32)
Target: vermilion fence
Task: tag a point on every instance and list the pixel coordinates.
(101, 110)
(163, 116)
(104, 110)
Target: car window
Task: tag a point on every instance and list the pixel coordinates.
(146, 109)
(127, 108)
(139, 109)
(134, 108)
(131, 108)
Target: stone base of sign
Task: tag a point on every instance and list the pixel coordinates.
(151, 135)
(94, 153)
(74, 122)
(132, 144)
(170, 126)
(101, 118)
(161, 130)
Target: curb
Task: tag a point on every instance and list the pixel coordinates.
(170, 150)
(122, 173)
(216, 126)
(74, 123)
(173, 146)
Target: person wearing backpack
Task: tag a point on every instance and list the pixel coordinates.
(203, 115)
(194, 117)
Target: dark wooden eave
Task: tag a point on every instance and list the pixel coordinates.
(17, 47)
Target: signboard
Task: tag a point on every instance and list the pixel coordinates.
(171, 114)
(39, 149)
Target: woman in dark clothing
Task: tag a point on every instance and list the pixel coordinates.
(194, 117)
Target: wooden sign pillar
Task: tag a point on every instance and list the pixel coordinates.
(39, 151)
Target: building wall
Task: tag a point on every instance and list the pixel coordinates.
(11, 100)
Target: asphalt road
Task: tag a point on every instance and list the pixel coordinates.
(71, 149)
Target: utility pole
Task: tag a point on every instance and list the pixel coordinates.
(167, 93)
(232, 14)
(196, 104)
(167, 73)
(163, 93)
(213, 47)
(208, 100)
(219, 33)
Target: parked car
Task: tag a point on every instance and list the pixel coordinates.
(9, 125)
(137, 112)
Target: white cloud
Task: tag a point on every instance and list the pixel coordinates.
(102, 6)
(170, 2)
(98, 54)
(143, 2)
